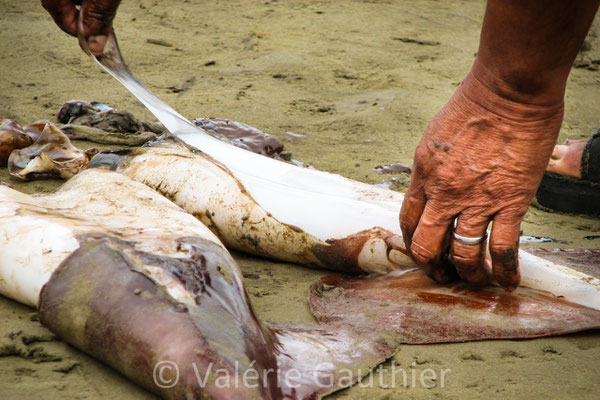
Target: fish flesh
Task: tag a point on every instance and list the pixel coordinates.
(326, 206)
(82, 206)
(123, 274)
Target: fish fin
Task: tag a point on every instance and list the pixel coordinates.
(315, 361)
(411, 308)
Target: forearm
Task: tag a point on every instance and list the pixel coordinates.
(527, 48)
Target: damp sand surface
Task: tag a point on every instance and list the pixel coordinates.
(356, 82)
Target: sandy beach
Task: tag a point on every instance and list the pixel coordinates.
(359, 80)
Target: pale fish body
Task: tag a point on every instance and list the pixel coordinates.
(120, 272)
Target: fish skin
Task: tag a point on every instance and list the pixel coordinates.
(101, 301)
(244, 136)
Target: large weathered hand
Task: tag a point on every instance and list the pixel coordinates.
(484, 154)
(480, 160)
(97, 19)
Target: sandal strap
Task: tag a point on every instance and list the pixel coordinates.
(590, 159)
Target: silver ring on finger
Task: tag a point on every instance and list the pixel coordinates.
(469, 240)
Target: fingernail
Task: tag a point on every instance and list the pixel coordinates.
(509, 282)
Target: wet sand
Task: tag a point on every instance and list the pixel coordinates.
(360, 79)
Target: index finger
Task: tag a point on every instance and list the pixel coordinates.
(430, 243)
(410, 213)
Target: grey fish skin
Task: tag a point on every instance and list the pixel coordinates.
(243, 136)
(102, 124)
(102, 303)
(584, 260)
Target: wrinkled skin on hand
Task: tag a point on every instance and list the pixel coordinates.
(97, 19)
(480, 160)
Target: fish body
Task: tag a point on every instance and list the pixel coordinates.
(125, 275)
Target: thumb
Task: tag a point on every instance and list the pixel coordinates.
(96, 22)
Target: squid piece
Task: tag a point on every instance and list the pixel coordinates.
(410, 308)
(325, 206)
(125, 275)
(51, 156)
